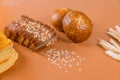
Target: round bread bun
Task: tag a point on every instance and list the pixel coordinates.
(57, 18)
(77, 26)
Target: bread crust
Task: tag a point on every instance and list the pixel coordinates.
(30, 33)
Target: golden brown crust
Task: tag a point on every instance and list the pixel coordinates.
(29, 32)
(77, 26)
(58, 17)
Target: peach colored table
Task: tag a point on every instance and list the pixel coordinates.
(33, 66)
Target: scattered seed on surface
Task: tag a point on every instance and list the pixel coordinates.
(66, 71)
(64, 59)
(79, 69)
(77, 64)
(70, 65)
(60, 67)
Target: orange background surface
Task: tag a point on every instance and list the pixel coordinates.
(33, 66)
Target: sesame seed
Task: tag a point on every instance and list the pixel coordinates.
(80, 61)
(64, 65)
(70, 65)
(58, 64)
(66, 71)
(48, 58)
(79, 69)
(77, 64)
(78, 56)
(64, 58)
(60, 67)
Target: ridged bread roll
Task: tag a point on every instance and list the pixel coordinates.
(8, 55)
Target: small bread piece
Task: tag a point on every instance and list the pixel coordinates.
(114, 43)
(113, 34)
(117, 29)
(20, 36)
(112, 48)
(107, 46)
(113, 54)
(10, 62)
(10, 32)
